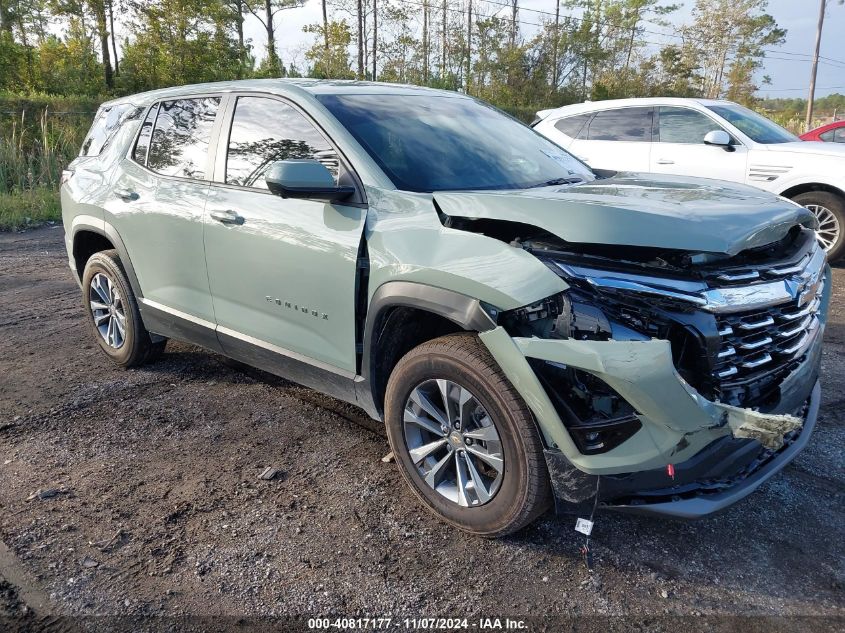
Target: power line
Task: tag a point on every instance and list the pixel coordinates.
(801, 89)
(829, 61)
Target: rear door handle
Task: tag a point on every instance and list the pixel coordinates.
(665, 161)
(127, 195)
(227, 217)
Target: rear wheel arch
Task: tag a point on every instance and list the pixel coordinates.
(403, 315)
(89, 239)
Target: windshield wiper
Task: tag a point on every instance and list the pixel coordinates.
(557, 181)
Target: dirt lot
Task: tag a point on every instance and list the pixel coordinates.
(137, 493)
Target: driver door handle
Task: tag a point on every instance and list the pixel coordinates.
(665, 161)
(227, 217)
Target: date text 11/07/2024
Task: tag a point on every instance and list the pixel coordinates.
(423, 623)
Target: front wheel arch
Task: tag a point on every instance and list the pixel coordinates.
(402, 315)
(829, 209)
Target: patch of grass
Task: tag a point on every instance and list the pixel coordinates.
(29, 208)
(39, 136)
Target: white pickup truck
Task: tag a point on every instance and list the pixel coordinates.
(708, 139)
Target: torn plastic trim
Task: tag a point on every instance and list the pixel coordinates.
(766, 428)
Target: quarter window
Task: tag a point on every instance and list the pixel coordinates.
(682, 125)
(142, 145)
(622, 124)
(265, 131)
(179, 144)
(105, 126)
(573, 126)
(827, 137)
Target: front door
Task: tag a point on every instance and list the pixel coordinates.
(679, 147)
(282, 271)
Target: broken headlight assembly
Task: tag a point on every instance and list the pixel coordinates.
(597, 417)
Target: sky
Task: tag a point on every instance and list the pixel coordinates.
(788, 65)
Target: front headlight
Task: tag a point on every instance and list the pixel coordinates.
(578, 314)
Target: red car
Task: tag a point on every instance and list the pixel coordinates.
(831, 133)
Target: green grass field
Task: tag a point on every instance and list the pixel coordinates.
(39, 136)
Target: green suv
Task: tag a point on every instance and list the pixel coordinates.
(530, 331)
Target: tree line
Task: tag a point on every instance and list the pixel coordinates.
(495, 49)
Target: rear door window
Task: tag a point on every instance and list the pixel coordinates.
(839, 137)
(181, 136)
(106, 124)
(622, 124)
(573, 126)
(265, 131)
(682, 125)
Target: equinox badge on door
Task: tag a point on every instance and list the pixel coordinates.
(292, 306)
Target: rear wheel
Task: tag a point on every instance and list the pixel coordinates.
(829, 210)
(463, 438)
(113, 312)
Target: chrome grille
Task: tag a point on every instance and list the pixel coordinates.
(765, 341)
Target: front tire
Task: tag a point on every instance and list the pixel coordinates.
(829, 209)
(113, 312)
(463, 438)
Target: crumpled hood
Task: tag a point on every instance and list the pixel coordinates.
(641, 210)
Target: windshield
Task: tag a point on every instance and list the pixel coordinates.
(441, 143)
(755, 126)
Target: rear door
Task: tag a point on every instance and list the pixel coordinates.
(158, 204)
(282, 271)
(618, 139)
(680, 149)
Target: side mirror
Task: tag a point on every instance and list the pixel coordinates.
(719, 138)
(307, 179)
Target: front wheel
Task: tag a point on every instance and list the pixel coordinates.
(463, 438)
(829, 210)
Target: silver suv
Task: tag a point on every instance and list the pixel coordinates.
(526, 330)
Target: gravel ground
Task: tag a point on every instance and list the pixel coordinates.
(136, 493)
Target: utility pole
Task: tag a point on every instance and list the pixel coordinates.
(811, 97)
(469, 44)
(444, 46)
(556, 44)
(360, 39)
(375, 36)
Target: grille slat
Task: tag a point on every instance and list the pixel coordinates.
(755, 342)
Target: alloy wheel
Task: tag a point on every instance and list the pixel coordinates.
(108, 310)
(829, 230)
(453, 442)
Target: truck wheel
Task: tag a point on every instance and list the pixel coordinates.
(829, 209)
(463, 438)
(113, 312)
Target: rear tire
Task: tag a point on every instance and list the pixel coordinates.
(486, 473)
(830, 211)
(113, 312)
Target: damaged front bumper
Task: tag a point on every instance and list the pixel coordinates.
(719, 453)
